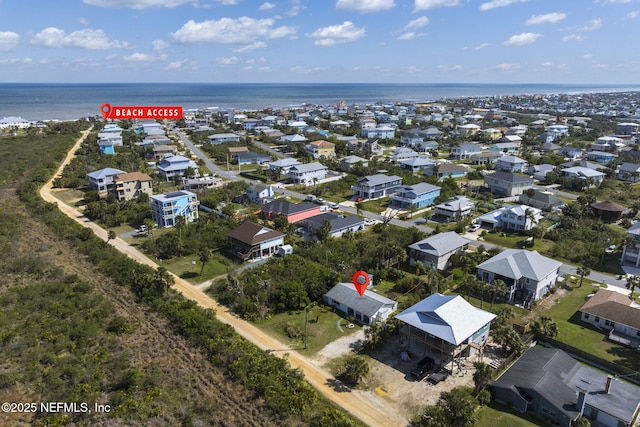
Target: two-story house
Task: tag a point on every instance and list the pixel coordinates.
(465, 151)
(593, 178)
(629, 172)
(516, 218)
(321, 149)
(414, 196)
(130, 185)
(220, 138)
(166, 208)
(454, 209)
(507, 184)
(527, 275)
(436, 250)
(171, 166)
(102, 179)
(512, 164)
(307, 173)
(374, 186)
(631, 252)
(251, 240)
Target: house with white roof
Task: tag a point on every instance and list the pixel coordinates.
(403, 153)
(417, 164)
(414, 196)
(437, 249)
(171, 166)
(515, 218)
(629, 172)
(528, 276)
(454, 209)
(382, 132)
(219, 138)
(13, 122)
(447, 327)
(512, 164)
(465, 151)
(166, 208)
(307, 173)
(283, 165)
(631, 253)
(593, 177)
(367, 309)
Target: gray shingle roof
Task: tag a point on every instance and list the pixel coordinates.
(510, 177)
(440, 244)
(368, 304)
(378, 179)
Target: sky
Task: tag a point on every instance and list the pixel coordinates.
(320, 41)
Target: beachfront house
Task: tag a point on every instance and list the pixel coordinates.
(454, 209)
(128, 186)
(465, 151)
(220, 138)
(250, 241)
(506, 184)
(321, 149)
(176, 166)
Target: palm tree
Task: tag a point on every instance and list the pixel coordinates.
(545, 327)
(165, 278)
(633, 282)
(583, 271)
(499, 287)
(419, 268)
(205, 255)
(180, 224)
(110, 235)
(530, 215)
(482, 375)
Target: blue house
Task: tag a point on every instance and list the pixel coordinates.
(600, 156)
(166, 208)
(417, 196)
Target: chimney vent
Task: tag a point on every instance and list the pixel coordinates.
(607, 388)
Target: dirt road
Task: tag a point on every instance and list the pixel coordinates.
(370, 408)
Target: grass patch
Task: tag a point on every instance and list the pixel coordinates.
(376, 206)
(517, 241)
(185, 268)
(497, 415)
(322, 328)
(574, 332)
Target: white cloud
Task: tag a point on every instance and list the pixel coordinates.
(83, 21)
(449, 68)
(365, 6)
(144, 57)
(251, 47)
(417, 23)
(593, 25)
(183, 65)
(295, 8)
(613, 1)
(159, 45)
(335, 34)
(553, 66)
(574, 37)
(548, 18)
(87, 39)
(493, 4)
(632, 15)
(228, 61)
(432, 4)
(8, 40)
(12, 61)
(136, 4)
(477, 47)
(407, 36)
(266, 6)
(507, 67)
(243, 30)
(587, 56)
(522, 39)
(305, 70)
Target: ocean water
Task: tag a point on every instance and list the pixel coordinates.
(45, 101)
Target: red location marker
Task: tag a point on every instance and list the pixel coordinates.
(105, 109)
(361, 281)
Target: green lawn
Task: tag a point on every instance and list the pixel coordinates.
(497, 415)
(322, 328)
(188, 268)
(376, 206)
(574, 332)
(517, 241)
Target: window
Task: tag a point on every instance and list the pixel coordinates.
(597, 319)
(586, 316)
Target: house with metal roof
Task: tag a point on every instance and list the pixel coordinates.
(220, 138)
(307, 173)
(629, 172)
(437, 249)
(507, 184)
(166, 208)
(509, 163)
(631, 253)
(540, 199)
(592, 177)
(556, 387)
(378, 185)
(445, 326)
(417, 164)
(454, 209)
(465, 150)
(102, 179)
(414, 196)
(527, 275)
(171, 166)
(294, 212)
(367, 309)
(515, 218)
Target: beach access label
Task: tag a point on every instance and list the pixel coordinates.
(110, 112)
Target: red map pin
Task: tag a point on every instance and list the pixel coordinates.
(105, 109)
(361, 281)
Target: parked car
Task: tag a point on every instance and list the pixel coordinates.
(369, 221)
(334, 206)
(319, 201)
(474, 227)
(359, 199)
(423, 368)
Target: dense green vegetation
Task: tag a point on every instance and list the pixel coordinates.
(57, 333)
